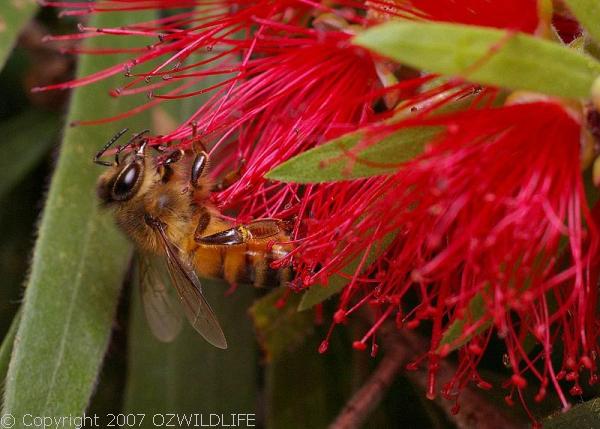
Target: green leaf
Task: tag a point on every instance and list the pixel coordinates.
(77, 267)
(319, 293)
(587, 13)
(316, 294)
(485, 55)
(27, 138)
(7, 346)
(280, 330)
(330, 162)
(586, 415)
(14, 15)
(189, 375)
(454, 332)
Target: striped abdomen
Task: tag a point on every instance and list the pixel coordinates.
(242, 254)
(246, 263)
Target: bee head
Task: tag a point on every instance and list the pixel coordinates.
(124, 178)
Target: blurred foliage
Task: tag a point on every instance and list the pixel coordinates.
(28, 137)
(586, 415)
(28, 133)
(76, 272)
(280, 327)
(14, 17)
(454, 49)
(189, 375)
(588, 13)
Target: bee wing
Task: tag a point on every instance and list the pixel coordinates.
(186, 282)
(162, 312)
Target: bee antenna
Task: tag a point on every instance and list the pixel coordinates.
(133, 141)
(102, 151)
(136, 137)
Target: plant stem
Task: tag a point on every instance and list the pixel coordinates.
(364, 401)
(475, 410)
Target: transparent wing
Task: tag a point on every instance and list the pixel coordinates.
(187, 284)
(162, 312)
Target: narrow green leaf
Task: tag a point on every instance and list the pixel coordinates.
(7, 346)
(452, 335)
(77, 267)
(319, 293)
(27, 138)
(485, 55)
(280, 329)
(330, 162)
(14, 15)
(189, 375)
(586, 415)
(587, 13)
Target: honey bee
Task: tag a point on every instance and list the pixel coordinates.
(164, 208)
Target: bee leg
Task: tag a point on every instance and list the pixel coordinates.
(200, 183)
(198, 179)
(199, 169)
(228, 237)
(260, 229)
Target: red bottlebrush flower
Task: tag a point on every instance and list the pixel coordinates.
(513, 15)
(480, 217)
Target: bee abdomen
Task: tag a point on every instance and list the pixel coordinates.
(251, 264)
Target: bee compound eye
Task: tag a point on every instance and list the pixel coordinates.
(127, 182)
